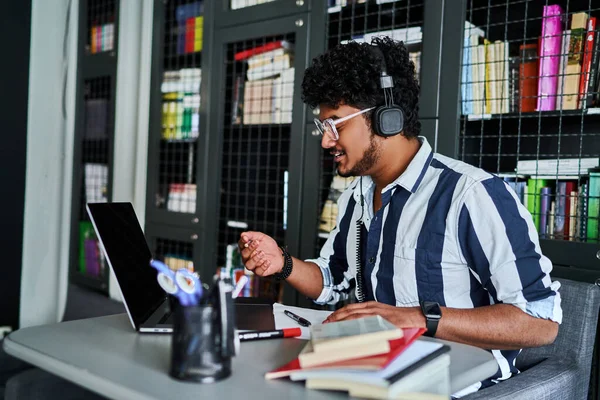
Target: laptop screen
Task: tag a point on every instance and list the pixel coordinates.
(128, 254)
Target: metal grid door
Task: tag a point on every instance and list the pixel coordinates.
(361, 21)
(258, 92)
(94, 173)
(530, 109)
(94, 137)
(183, 43)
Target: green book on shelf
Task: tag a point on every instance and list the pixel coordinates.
(593, 208)
(86, 230)
(534, 199)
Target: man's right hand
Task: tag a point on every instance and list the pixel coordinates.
(260, 253)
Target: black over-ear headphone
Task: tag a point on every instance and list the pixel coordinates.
(388, 119)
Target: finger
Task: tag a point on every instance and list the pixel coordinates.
(250, 236)
(250, 265)
(343, 313)
(357, 316)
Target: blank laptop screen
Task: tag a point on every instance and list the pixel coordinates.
(121, 234)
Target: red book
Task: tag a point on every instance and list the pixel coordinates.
(379, 361)
(245, 54)
(190, 27)
(586, 64)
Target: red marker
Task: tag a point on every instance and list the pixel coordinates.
(261, 335)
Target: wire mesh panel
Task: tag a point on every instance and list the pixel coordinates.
(258, 96)
(180, 90)
(530, 107)
(361, 21)
(94, 172)
(100, 26)
(176, 254)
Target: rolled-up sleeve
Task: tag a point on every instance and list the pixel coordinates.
(499, 242)
(338, 278)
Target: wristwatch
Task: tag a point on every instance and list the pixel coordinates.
(433, 313)
(286, 271)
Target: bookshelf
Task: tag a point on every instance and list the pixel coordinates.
(519, 104)
(94, 136)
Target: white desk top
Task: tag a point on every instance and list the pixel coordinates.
(107, 356)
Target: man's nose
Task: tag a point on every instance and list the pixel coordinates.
(326, 141)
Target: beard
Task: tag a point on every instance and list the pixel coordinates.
(369, 159)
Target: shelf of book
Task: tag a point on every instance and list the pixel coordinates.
(94, 136)
(175, 139)
(529, 113)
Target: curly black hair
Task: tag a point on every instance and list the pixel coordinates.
(349, 74)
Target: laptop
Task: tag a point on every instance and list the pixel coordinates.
(128, 255)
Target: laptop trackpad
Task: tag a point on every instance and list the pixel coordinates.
(254, 316)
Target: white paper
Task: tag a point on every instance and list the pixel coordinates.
(282, 321)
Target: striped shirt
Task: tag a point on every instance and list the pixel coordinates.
(446, 232)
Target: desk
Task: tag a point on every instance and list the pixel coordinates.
(106, 356)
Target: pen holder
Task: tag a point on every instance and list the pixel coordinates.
(196, 347)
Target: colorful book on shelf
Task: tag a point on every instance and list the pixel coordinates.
(549, 57)
(528, 77)
(586, 63)
(570, 95)
(592, 94)
(373, 362)
(245, 54)
(185, 17)
(593, 208)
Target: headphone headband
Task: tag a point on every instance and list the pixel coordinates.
(388, 119)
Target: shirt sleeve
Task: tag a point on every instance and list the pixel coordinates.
(338, 277)
(499, 242)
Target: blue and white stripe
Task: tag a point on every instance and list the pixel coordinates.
(446, 232)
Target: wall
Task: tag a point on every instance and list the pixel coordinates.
(15, 28)
(49, 161)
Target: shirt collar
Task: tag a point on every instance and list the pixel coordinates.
(410, 179)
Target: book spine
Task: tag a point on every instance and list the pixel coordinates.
(593, 206)
(528, 78)
(592, 90)
(546, 192)
(549, 58)
(586, 64)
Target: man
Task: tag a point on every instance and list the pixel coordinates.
(444, 245)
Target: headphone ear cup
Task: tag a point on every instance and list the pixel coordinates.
(388, 120)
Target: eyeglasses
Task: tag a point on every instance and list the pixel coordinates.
(327, 126)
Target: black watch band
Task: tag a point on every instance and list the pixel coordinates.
(433, 314)
(288, 264)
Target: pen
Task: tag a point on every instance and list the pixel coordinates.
(297, 318)
(261, 335)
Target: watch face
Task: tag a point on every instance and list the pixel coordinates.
(432, 310)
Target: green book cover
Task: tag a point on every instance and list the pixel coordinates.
(534, 199)
(593, 205)
(86, 229)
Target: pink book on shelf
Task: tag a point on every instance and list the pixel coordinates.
(549, 57)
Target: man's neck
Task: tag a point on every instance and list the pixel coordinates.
(394, 161)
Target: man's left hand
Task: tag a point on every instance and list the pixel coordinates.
(402, 317)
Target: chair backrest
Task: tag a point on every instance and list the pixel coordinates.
(577, 334)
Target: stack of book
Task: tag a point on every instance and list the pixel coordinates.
(370, 358)
(266, 95)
